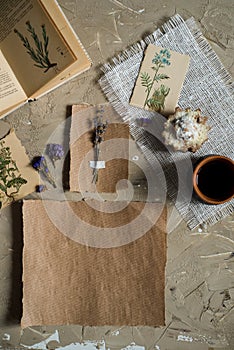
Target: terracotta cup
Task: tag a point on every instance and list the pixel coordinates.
(213, 179)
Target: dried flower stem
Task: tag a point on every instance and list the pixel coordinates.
(40, 164)
(95, 170)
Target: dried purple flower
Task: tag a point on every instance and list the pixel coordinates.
(40, 164)
(37, 162)
(142, 122)
(55, 151)
(40, 188)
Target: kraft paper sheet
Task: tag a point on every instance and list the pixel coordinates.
(66, 282)
(113, 150)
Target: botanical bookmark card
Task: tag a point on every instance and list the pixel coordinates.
(160, 80)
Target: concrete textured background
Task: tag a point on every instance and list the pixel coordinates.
(199, 273)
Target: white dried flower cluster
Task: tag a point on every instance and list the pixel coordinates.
(186, 130)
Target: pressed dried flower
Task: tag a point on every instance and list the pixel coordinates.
(40, 164)
(40, 188)
(55, 151)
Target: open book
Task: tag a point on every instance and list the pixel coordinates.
(38, 51)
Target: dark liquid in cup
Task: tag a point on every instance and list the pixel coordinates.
(216, 179)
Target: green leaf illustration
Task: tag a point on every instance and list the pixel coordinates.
(161, 77)
(157, 101)
(146, 80)
(39, 53)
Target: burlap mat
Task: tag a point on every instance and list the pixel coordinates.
(82, 151)
(207, 86)
(65, 282)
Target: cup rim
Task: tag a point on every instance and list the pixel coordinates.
(195, 186)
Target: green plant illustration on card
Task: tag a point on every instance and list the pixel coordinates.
(156, 100)
(39, 53)
(10, 177)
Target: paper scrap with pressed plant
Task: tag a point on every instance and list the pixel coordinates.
(17, 177)
(10, 177)
(160, 80)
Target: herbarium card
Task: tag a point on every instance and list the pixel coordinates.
(160, 80)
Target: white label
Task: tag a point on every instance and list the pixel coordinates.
(99, 164)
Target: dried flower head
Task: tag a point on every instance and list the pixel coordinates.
(40, 188)
(38, 162)
(55, 152)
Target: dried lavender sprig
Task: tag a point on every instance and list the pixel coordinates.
(100, 130)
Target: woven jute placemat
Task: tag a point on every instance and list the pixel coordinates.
(207, 86)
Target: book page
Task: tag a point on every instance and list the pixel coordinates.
(11, 92)
(82, 62)
(31, 44)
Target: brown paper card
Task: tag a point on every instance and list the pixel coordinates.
(66, 282)
(82, 150)
(160, 81)
(26, 171)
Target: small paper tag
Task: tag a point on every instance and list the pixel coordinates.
(99, 164)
